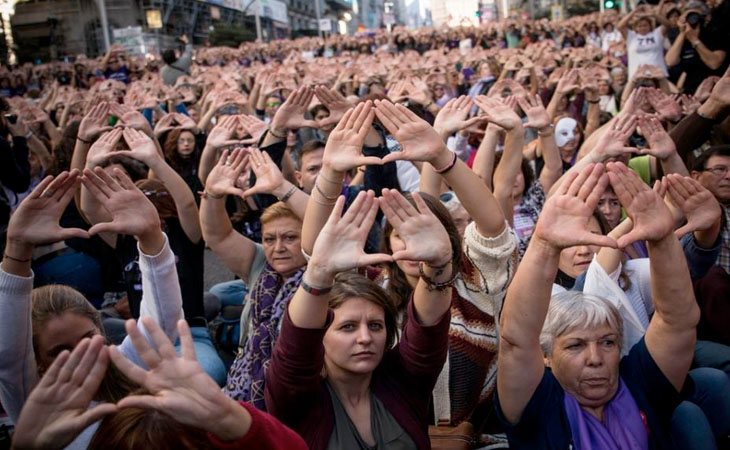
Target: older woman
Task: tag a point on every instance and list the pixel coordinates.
(594, 399)
(371, 395)
(272, 269)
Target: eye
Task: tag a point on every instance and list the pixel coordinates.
(375, 326)
(574, 346)
(269, 240)
(348, 327)
(608, 343)
(291, 239)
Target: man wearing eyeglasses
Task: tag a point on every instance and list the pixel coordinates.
(712, 170)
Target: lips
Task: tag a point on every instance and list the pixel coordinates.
(595, 381)
(364, 354)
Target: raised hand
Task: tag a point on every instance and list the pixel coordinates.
(664, 105)
(177, 386)
(537, 116)
(335, 103)
(344, 145)
(221, 135)
(705, 88)
(222, 179)
(290, 115)
(661, 145)
(185, 122)
(141, 147)
(132, 118)
(35, 222)
(339, 246)
(253, 126)
(635, 102)
(721, 91)
(58, 408)
(453, 116)
(132, 212)
(498, 111)
(94, 123)
(419, 141)
(102, 149)
(564, 219)
(568, 83)
(698, 205)
(652, 219)
(424, 236)
(269, 179)
(164, 125)
(612, 143)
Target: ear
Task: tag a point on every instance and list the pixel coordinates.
(695, 174)
(547, 360)
(298, 177)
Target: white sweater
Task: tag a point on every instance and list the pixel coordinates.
(161, 299)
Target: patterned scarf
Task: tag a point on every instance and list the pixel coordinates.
(269, 299)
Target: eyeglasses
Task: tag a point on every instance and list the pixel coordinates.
(273, 105)
(720, 171)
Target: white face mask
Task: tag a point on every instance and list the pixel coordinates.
(565, 131)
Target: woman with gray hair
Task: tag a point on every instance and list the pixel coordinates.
(588, 396)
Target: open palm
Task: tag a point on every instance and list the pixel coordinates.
(418, 140)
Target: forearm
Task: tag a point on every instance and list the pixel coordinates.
(484, 161)
(671, 284)
(182, 196)
(592, 118)
(297, 201)
(215, 224)
(672, 56)
(508, 168)
(610, 258)
(528, 296)
(553, 168)
(430, 182)
(320, 204)
(208, 159)
(307, 310)
(53, 133)
(552, 108)
(674, 164)
(431, 305)
(712, 59)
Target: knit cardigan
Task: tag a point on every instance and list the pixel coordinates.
(468, 379)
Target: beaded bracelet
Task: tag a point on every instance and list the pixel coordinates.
(288, 194)
(434, 285)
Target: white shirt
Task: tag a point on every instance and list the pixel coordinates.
(646, 49)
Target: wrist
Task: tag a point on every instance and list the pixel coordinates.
(318, 275)
(281, 190)
(442, 159)
(233, 425)
(545, 247)
(18, 250)
(151, 241)
(710, 109)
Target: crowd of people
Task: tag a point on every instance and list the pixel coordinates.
(508, 236)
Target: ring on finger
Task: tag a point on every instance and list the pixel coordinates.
(48, 193)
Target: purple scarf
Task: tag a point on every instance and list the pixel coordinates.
(269, 299)
(622, 427)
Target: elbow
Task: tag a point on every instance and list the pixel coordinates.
(715, 63)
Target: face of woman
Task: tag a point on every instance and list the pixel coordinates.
(186, 144)
(585, 362)
(642, 27)
(321, 115)
(575, 260)
(281, 239)
(63, 333)
(610, 207)
(567, 136)
(603, 87)
(355, 341)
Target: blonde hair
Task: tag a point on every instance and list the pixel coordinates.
(278, 210)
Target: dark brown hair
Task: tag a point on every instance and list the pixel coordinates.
(350, 285)
(158, 194)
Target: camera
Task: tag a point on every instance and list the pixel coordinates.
(693, 19)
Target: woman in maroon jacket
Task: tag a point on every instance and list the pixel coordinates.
(334, 378)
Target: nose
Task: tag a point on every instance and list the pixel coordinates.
(364, 336)
(605, 209)
(584, 250)
(279, 245)
(594, 356)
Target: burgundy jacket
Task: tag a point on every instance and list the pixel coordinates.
(297, 395)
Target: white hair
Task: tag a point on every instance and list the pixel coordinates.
(573, 310)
